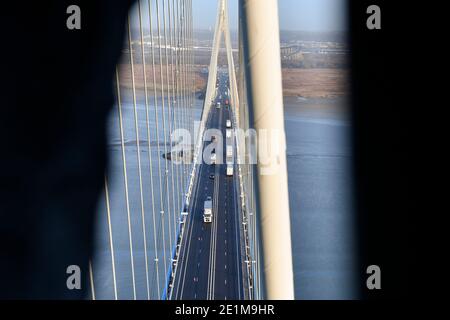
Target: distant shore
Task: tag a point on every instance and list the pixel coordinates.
(298, 83)
(316, 83)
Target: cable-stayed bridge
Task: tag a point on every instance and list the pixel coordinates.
(195, 201)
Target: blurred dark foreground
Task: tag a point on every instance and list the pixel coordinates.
(56, 91)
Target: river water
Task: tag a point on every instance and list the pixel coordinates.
(319, 154)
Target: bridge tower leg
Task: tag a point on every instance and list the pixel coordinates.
(260, 29)
(222, 27)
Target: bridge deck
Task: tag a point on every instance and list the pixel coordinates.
(210, 263)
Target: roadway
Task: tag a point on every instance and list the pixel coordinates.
(210, 265)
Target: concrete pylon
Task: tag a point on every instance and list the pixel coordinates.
(222, 28)
(263, 81)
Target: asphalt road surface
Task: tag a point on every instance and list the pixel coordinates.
(210, 263)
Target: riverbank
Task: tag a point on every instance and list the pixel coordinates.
(316, 83)
(303, 83)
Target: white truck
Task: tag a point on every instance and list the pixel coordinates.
(228, 123)
(207, 213)
(213, 158)
(229, 152)
(218, 105)
(230, 170)
(229, 133)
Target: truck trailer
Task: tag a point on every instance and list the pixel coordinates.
(229, 151)
(207, 213)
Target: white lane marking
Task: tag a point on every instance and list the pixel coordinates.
(217, 193)
(190, 230)
(213, 241)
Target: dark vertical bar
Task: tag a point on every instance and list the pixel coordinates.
(380, 135)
